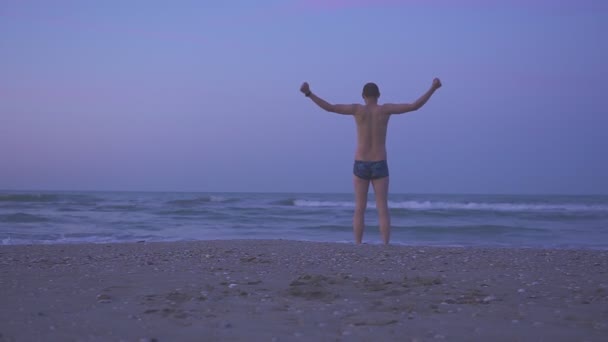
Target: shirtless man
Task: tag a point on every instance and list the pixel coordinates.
(370, 157)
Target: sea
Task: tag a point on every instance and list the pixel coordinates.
(528, 221)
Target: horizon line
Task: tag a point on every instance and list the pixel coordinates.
(309, 192)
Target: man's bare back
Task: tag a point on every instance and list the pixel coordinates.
(372, 123)
(371, 157)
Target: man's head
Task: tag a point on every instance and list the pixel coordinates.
(371, 91)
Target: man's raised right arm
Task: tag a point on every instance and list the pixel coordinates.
(400, 108)
(347, 109)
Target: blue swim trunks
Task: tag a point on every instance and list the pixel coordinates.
(369, 170)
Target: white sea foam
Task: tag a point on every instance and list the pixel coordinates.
(307, 203)
(430, 205)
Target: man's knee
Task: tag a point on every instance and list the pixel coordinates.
(382, 205)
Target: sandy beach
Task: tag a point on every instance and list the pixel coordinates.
(277, 290)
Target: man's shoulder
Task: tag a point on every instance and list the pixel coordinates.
(383, 108)
(386, 108)
(364, 109)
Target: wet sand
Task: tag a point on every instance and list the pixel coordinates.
(276, 290)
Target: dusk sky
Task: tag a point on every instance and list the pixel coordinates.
(204, 95)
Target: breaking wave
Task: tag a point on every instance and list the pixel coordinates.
(476, 206)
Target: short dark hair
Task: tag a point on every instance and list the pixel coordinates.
(371, 90)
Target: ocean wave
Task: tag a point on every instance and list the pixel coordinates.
(67, 209)
(284, 202)
(469, 230)
(470, 206)
(22, 218)
(476, 206)
(28, 197)
(328, 227)
(84, 239)
(201, 200)
(309, 203)
(116, 207)
(461, 230)
(47, 198)
(183, 212)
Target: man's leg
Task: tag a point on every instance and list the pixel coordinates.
(361, 188)
(381, 190)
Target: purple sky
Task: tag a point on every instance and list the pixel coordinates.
(203, 96)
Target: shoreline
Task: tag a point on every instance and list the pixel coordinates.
(287, 290)
(374, 242)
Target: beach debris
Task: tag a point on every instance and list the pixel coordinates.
(104, 298)
(312, 287)
(488, 299)
(175, 297)
(376, 323)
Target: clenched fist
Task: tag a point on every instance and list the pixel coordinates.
(436, 83)
(305, 89)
